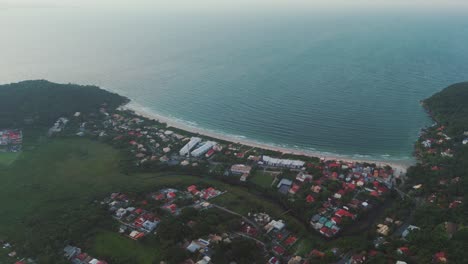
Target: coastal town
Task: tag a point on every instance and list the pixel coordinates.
(334, 195)
(209, 200)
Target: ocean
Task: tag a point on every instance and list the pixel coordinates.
(347, 82)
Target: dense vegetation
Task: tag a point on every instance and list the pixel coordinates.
(450, 107)
(42, 102)
(444, 180)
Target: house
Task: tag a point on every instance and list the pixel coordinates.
(120, 212)
(278, 250)
(310, 199)
(440, 257)
(284, 185)
(408, 230)
(135, 235)
(303, 177)
(149, 225)
(294, 189)
(196, 245)
(240, 169)
(290, 241)
(383, 229)
(357, 259)
(403, 251)
(317, 253)
(295, 260)
(274, 225)
(204, 260)
(316, 188)
(71, 251)
(273, 260)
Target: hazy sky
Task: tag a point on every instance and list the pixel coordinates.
(229, 4)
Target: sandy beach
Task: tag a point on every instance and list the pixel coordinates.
(399, 167)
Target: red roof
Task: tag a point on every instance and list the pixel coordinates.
(191, 188)
(310, 199)
(317, 253)
(82, 256)
(374, 193)
(342, 212)
(210, 152)
(440, 257)
(171, 195)
(290, 240)
(335, 219)
(404, 250)
(278, 250)
(295, 188)
(159, 196)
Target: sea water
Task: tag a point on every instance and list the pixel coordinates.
(344, 82)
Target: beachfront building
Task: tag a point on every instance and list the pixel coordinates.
(203, 148)
(189, 146)
(286, 163)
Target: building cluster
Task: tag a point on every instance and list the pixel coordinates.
(148, 141)
(11, 140)
(58, 126)
(13, 255)
(279, 237)
(350, 186)
(136, 222)
(76, 256)
(138, 218)
(434, 142)
(202, 247)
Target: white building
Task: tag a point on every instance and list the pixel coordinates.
(189, 146)
(203, 148)
(282, 162)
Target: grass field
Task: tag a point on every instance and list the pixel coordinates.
(7, 158)
(39, 189)
(113, 245)
(263, 179)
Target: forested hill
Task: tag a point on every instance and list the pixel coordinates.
(42, 102)
(450, 107)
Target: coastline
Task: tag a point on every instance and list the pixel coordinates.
(398, 166)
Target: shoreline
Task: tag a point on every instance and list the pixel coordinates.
(398, 166)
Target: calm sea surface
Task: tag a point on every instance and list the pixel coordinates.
(347, 83)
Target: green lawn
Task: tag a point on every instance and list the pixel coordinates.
(50, 189)
(7, 158)
(263, 179)
(115, 246)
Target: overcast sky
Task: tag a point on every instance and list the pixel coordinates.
(241, 4)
